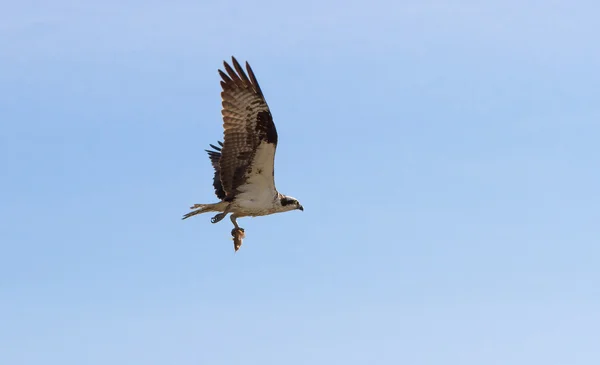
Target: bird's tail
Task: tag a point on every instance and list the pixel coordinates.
(203, 208)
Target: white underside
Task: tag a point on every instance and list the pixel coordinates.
(258, 196)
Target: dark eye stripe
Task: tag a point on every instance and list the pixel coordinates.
(286, 201)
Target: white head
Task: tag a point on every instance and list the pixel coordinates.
(288, 203)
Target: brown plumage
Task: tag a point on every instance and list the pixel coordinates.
(244, 162)
(247, 121)
(215, 157)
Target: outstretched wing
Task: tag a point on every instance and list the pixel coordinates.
(248, 129)
(215, 156)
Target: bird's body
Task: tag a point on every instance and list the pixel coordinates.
(244, 162)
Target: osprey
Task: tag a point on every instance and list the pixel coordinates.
(244, 179)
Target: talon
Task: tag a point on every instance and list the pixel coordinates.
(236, 230)
(218, 217)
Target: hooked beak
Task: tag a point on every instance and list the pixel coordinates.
(301, 208)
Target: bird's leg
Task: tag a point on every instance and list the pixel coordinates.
(236, 228)
(233, 218)
(219, 217)
(237, 233)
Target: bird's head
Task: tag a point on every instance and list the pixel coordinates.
(288, 203)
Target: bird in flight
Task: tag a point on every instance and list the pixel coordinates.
(244, 179)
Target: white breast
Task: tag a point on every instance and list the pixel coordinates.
(256, 197)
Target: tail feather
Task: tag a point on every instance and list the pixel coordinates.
(201, 208)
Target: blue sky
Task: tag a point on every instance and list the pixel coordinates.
(445, 154)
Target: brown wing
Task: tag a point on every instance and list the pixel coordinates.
(215, 156)
(247, 122)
